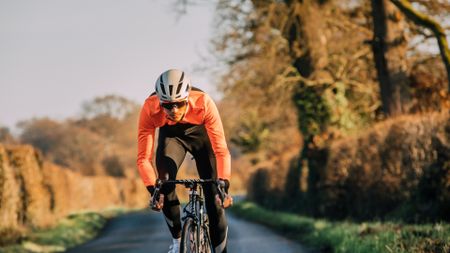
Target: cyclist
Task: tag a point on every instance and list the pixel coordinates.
(188, 121)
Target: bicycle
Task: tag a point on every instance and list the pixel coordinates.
(195, 232)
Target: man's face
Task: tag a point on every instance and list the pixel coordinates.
(175, 110)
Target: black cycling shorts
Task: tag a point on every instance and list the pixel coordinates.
(173, 143)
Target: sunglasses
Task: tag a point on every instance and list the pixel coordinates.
(171, 105)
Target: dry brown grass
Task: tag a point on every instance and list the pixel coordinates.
(35, 193)
(10, 205)
(35, 198)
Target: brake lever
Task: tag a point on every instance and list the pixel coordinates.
(156, 195)
(221, 189)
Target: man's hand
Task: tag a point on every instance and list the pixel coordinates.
(156, 202)
(227, 200)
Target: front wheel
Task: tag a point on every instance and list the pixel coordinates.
(189, 240)
(205, 242)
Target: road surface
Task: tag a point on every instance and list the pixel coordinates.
(146, 232)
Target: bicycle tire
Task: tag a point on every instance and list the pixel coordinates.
(189, 240)
(205, 241)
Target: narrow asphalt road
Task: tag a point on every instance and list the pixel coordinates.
(146, 232)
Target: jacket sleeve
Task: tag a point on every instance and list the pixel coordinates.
(146, 136)
(216, 135)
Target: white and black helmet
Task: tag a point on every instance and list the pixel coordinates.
(172, 85)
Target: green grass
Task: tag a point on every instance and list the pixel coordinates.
(352, 237)
(69, 232)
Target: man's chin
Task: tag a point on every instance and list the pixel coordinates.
(175, 119)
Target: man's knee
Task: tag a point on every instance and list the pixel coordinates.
(170, 196)
(168, 190)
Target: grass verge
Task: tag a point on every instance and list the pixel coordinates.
(71, 231)
(327, 236)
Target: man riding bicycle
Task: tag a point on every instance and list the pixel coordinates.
(188, 121)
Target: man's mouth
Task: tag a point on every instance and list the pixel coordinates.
(174, 116)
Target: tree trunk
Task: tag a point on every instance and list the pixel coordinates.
(309, 52)
(307, 42)
(389, 48)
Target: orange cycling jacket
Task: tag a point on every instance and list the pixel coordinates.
(201, 110)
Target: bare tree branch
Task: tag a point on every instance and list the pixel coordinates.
(424, 20)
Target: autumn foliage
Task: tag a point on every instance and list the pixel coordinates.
(397, 169)
(353, 79)
(102, 141)
(35, 193)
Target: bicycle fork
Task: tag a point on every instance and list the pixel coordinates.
(193, 211)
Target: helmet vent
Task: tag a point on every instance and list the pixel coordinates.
(170, 90)
(182, 77)
(179, 88)
(161, 84)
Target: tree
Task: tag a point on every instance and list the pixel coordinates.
(389, 47)
(100, 142)
(428, 22)
(111, 106)
(115, 119)
(296, 65)
(43, 133)
(113, 166)
(6, 136)
(65, 144)
(260, 79)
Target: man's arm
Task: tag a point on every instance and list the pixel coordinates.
(216, 135)
(146, 136)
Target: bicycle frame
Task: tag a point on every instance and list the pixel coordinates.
(195, 208)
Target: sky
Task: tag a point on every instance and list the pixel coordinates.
(57, 54)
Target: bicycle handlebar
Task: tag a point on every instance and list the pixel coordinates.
(160, 182)
(188, 183)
